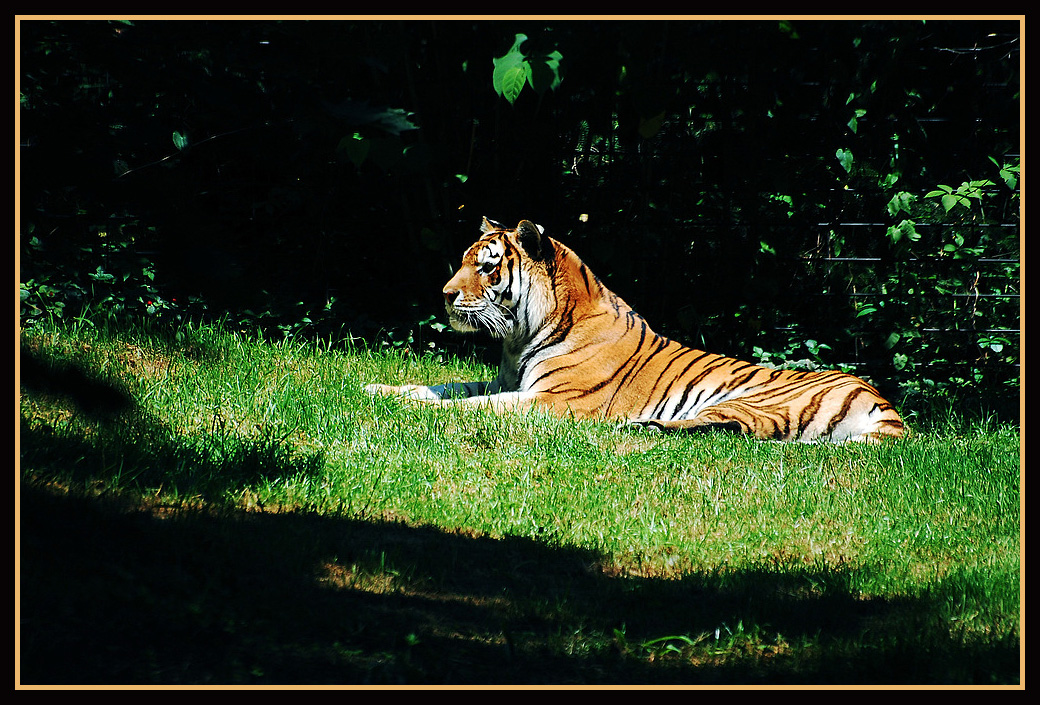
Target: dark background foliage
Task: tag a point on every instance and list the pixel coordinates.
(836, 193)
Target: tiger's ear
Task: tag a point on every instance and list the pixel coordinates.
(530, 236)
(489, 226)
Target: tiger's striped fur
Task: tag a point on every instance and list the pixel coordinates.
(573, 346)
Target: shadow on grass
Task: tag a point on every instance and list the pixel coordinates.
(84, 389)
(112, 594)
(131, 446)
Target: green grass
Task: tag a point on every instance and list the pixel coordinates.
(198, 507)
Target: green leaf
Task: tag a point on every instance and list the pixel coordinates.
(853, 123)
(900, 202)
(512, 80)
(889, 181)
(180, 141)
(845, 158)
(906, 230)
(980, 184)
(787, 28)
(391, 120)
(950, 200)
(395, 121)
(544, 72)
(356, 148)
(101, 275)
(511, 71)
(1008, 172)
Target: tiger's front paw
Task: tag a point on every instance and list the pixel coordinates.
(415, 392)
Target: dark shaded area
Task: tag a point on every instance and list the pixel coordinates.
(135, 447)
(113, 594)
(82, 387)
(321, 178)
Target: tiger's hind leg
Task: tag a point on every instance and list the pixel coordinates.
(734, 417)
(868, 424)
(696, 425)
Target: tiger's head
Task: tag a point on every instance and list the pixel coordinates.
(501, 287)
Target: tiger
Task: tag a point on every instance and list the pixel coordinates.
(572, 346)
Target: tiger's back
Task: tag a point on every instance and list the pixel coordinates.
(572, 345)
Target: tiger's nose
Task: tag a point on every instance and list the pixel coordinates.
(450, 294)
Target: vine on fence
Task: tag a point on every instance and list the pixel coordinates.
(946, 245)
